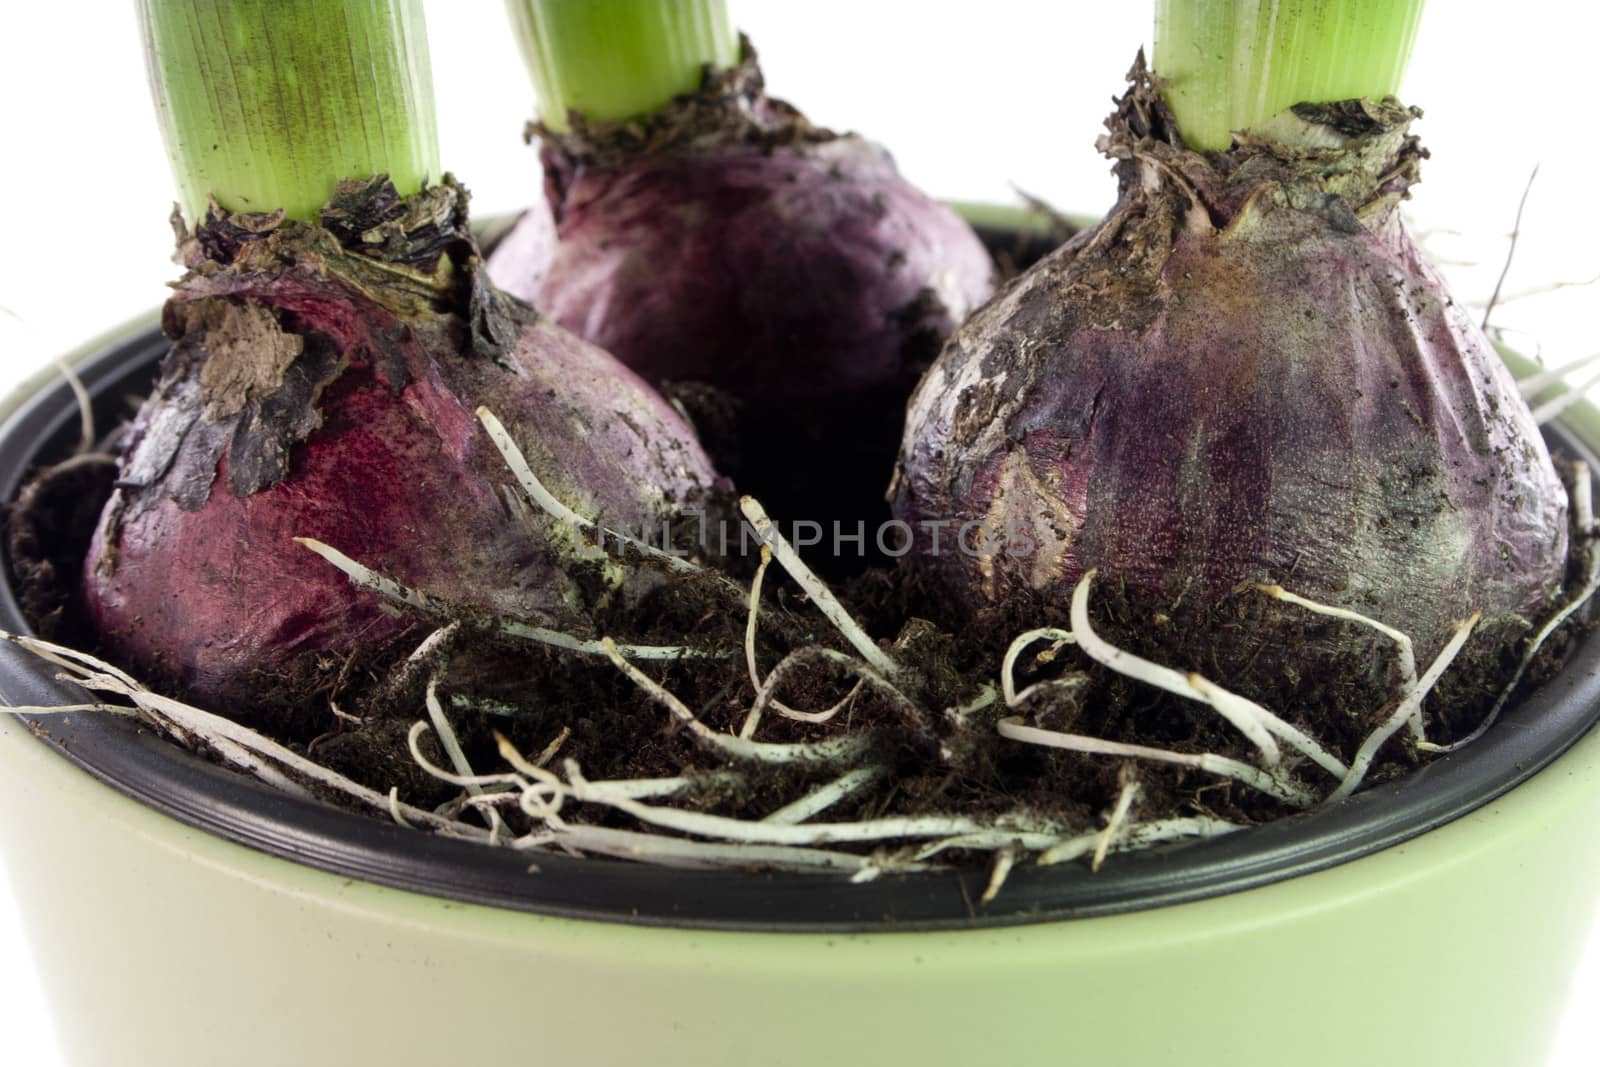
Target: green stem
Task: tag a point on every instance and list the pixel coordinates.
(610, 60)
(1231, 65)
(267, 104)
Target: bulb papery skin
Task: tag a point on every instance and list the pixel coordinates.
(739, 246)
(316, 392)
(1245, 374)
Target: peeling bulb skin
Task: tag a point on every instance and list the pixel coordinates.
(732, 243)
(1245, 374)
(364, 438)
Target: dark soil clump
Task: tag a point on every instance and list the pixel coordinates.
(48, 531)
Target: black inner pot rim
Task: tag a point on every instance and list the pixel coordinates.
(130, 759)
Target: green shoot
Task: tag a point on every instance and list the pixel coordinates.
(619, 59)
(1230, 65)
(268, 104)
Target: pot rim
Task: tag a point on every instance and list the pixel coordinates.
(153, 771)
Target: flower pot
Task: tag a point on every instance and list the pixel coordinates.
(182, 914)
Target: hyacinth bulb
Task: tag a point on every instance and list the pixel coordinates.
(727, 241)
(1246, 373)
(323, 383)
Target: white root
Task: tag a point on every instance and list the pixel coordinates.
(801, 657)
(363, 577)
(500, 708)
(467, 779)
(886, 861)
(1289, 734)
(487, 804)
(844, 749)
(1004, 859)
(539, 778)
(458, 757)
(1245, 717)
(821, 799)
(556, 639)
(70, 659)
(1139, 835)
(1404, 651)
(340, 715)
(752, 619)
(625, 788)
(1008, 665)
(1252, 719)
(366, 578)
(1114, 825)
(63, 709)
(432, 643)
(86, 434)
(707, 855)
(1583, 498)
(546, 501)
(241, 756)
(418, 661)
(550, 750)
(1583, 514)
(780, 842)
(986, 697)
(660, 788)
(989, 840)
(724, 828)
(1407, 707)
(752, 616)
(239, 743)
(1259, 725)
(816, 589)
(542, 791)
(827, 714)
(1283, 789)
(396, 812)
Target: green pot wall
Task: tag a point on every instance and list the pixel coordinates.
(163, 946)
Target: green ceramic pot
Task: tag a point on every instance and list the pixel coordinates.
(182, 915)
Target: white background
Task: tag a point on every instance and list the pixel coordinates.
(973, 98)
